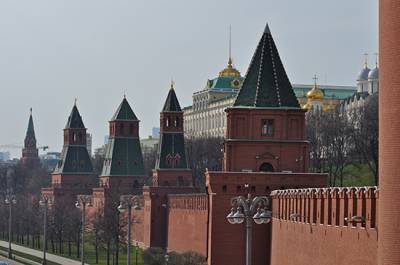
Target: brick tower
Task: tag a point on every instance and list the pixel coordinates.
(73, 174)
(172, 168)
(266, 122)
(265, 149)
(389, 125)
(123, 168)
(30, 157)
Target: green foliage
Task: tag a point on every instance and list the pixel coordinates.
(156, 256)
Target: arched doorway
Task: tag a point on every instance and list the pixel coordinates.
(266, 167)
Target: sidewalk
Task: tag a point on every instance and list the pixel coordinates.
(37, 253)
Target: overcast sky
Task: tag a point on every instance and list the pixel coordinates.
(54, 51)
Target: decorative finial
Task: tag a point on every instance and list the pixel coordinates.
(315, 78)
(76, 99)
(376, 59)
(230, 45)
(30, 110)
(172, 84)
(366, 60)
(124, 95)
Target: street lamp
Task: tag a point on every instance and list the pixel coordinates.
(127, 202)
(45, 201)
(10, 200)
(246, 209)
(83, 201)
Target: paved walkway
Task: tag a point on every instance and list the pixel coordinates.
(11, 262)
(37, 253)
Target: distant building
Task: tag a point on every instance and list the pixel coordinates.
(4, 156)
(149, 144)
(50, 160)
(367, 85)
(155, 132)
(207, 117)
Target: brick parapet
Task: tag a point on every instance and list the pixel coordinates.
(338, 206)
(188, 201)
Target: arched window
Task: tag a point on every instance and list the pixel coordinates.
(267, 127)
(168, 122)
(177, 123)
(266, 167)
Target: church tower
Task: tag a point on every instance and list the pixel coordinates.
(123, 168)
(265, 128)
(74, 169)
(30, 154)
(172, 167)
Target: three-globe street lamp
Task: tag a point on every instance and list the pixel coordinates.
(249, 209)
(45, 201)
(82, 202)
(127, 202)
(10, 200)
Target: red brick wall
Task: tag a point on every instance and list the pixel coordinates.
(227, 242)
(389, 132)
(187, 223)
(311, 225)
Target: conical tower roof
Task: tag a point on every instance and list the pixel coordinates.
(171, 103)
(266, 84)
(30, 132)
(124, 112)
(75, 120)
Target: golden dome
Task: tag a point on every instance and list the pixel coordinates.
(315, 93)
(306, 106)
(229, 71)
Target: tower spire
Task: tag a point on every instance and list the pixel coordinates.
(376, 59)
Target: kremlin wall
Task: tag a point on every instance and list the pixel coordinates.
(265, 154)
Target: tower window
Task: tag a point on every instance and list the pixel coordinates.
(132, 129)
(121, 128)
(267, 127)
(177, 123)
(168, 122)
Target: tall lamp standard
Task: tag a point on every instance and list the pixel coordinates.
(10, 200)
(45, 201)
(127, 202)
(249, 209)
(82, 202)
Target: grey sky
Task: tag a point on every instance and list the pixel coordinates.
(53, 51)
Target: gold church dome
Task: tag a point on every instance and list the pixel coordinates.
(315, 93)
(229, 71)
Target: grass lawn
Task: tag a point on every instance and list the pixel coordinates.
(90, 256)
(358, 175)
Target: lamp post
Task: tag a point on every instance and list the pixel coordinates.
(83, 201)
(10, 200)
(249, 209)
(127, 202)
(45, 201)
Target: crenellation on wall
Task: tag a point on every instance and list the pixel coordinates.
(349, 206)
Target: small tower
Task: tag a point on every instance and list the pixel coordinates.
(74, 169)
(123, 168)
(265, 126)
(30, 157)
(172, 168)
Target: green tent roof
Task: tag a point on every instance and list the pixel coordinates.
(124, 112)
(266, 83)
